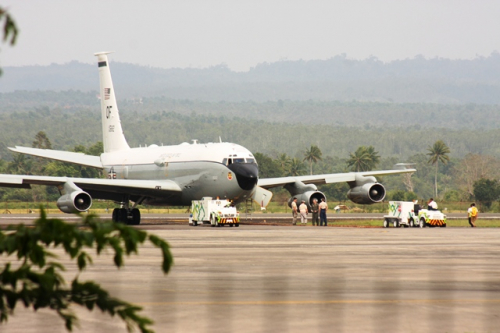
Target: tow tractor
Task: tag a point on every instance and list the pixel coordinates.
(409, 214)
(217, 213)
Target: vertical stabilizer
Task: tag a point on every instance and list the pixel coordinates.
(112, 132)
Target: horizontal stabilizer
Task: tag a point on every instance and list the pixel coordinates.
(61, 155)
(262, 197)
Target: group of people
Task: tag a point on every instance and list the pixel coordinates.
(317, 210)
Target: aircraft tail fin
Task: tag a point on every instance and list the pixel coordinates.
(112, 132)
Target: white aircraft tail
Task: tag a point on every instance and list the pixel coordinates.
(112, 132)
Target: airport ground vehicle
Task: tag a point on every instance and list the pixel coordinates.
(217, 213)
(409, 214)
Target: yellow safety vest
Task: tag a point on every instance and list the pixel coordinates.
(473, 211)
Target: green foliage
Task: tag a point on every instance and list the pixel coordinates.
(36, 279)
(363, 159)
(396, 195)
(438, 153)
(486, 191)
(312, 155)
(10, 30)
(410, 196)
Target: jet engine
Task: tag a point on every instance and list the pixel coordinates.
(74, 199)
(304, 192)
(366, 190)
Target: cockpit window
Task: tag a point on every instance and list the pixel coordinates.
(224, 161)
(238, 160)
(250, 160)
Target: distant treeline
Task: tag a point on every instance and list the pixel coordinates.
(335, 113)
(416, 80)
(82, 126)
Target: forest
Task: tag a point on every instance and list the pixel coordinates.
(398, 110)
(339, 78)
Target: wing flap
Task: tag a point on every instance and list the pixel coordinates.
(60, 155)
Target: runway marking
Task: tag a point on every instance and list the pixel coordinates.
(304, 302)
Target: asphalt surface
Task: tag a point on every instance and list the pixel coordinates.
(269, 218)
(301, 279)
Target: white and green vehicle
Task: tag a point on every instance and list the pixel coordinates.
(409, 214)
(217, 213)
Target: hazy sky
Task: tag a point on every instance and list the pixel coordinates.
(244, 33)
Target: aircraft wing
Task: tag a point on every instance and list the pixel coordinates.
(326, 178)
(60, 155)
(103, 187)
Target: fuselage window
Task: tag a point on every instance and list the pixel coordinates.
(238, 160)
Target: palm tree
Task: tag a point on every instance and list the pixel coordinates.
(311, 155)
(284, 162)
(296, 167)
(363, 159)
(438, 152)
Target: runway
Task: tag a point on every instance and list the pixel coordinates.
(303, 279)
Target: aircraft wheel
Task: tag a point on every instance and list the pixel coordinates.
(120, 215)
(136, 217)
(422, 223)
(396, 224)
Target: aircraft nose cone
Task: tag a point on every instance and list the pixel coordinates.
(247, 174)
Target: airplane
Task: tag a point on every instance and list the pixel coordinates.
(175, 175)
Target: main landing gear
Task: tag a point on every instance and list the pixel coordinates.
(127, 215)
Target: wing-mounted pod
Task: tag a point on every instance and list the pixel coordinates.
(73, 199)
(366, 190)
(304, 192)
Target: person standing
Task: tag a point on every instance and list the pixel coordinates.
(472, 215)
(303, 213)
(315, 211)
(323, 207)
(294, 211)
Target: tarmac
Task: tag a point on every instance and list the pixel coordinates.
(300, 279)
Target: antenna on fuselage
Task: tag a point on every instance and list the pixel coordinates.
(220, 139)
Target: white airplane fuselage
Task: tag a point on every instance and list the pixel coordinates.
(223, 170)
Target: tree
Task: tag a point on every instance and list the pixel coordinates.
(9, 28)
(486, 191)
(472, 168)
(41, 141)
(438, 152)
(363, 159)
(312, 155)
(268, 168)
(296, 167)
(36, 279)
(284, 162)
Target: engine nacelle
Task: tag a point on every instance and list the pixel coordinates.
(74, 200)
(367, 194)
(308, 197)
